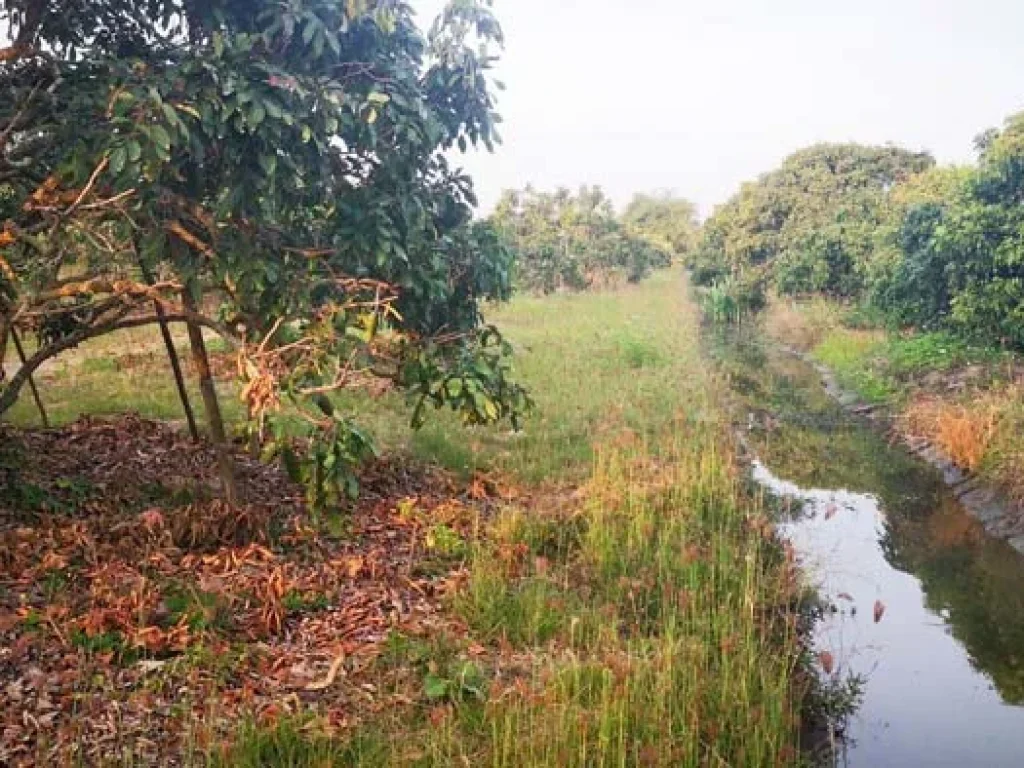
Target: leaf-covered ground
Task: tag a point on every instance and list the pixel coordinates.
(141, 618)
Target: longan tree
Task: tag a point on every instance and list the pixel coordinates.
(276, 172)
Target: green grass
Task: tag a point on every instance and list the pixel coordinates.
(656, 633)
(596, 364)
(852, 358)
(921, 353)
(99, 379)
(881, 368)
(640, 621)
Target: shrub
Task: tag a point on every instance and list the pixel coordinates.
(732, 299)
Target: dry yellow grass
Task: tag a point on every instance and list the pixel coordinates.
(963, 432)
(982, 435)
(1006, 452)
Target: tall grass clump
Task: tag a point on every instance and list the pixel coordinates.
(730, 300)
(671, 639)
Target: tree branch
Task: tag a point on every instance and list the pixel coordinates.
(120, 321)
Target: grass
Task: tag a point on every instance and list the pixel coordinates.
(879, 366)
(592, 360)
(644, 619)
(125, 371)
(671, 658)
(853, 357)
(631, 609)
(596, 363)
(655, 632)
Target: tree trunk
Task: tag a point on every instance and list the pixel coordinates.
(214, 419)
(3, 346)
(31, 382)
(172, 355)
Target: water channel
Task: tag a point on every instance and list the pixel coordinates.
(921, 603)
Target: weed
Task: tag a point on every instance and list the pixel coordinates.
(200, 610)
(922, 353)
(865, 316)
(526, 611)
(105, 643)
(295, 601)
(461, 681)
(637, 353)
(54, 583)
(445, 542)
(801, 324)
(854, 358)
(297, 743)
(92, 365)
(964, 433)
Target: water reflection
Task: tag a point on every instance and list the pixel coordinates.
(944, 662)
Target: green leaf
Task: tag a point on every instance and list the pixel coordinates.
(269, 164)
(291, 464)
(273, 109)
(454, 387)
(491, 410)
(118, 158)
(170, 114)
(435, 687)
(257, 114)
(310, 28)
(161, 137)
(334, 44)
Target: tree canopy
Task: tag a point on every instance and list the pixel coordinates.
(666, 221)
(567, 241)
(961, 256)
(808, 225)
(274, 171)
(929, 247)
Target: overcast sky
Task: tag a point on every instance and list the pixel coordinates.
(698, 96)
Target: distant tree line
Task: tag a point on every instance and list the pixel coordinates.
(566, 241)
(920, 245)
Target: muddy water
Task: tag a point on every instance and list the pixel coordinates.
(919, 602)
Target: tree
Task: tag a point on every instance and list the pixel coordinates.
(279, 169)
(666, 221)
(566, 241)
(955, 258)
(905, 275)
(808, 225)
(983, 235)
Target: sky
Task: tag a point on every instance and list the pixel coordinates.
(697, 97)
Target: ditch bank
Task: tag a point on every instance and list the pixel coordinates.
(1000, 516)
